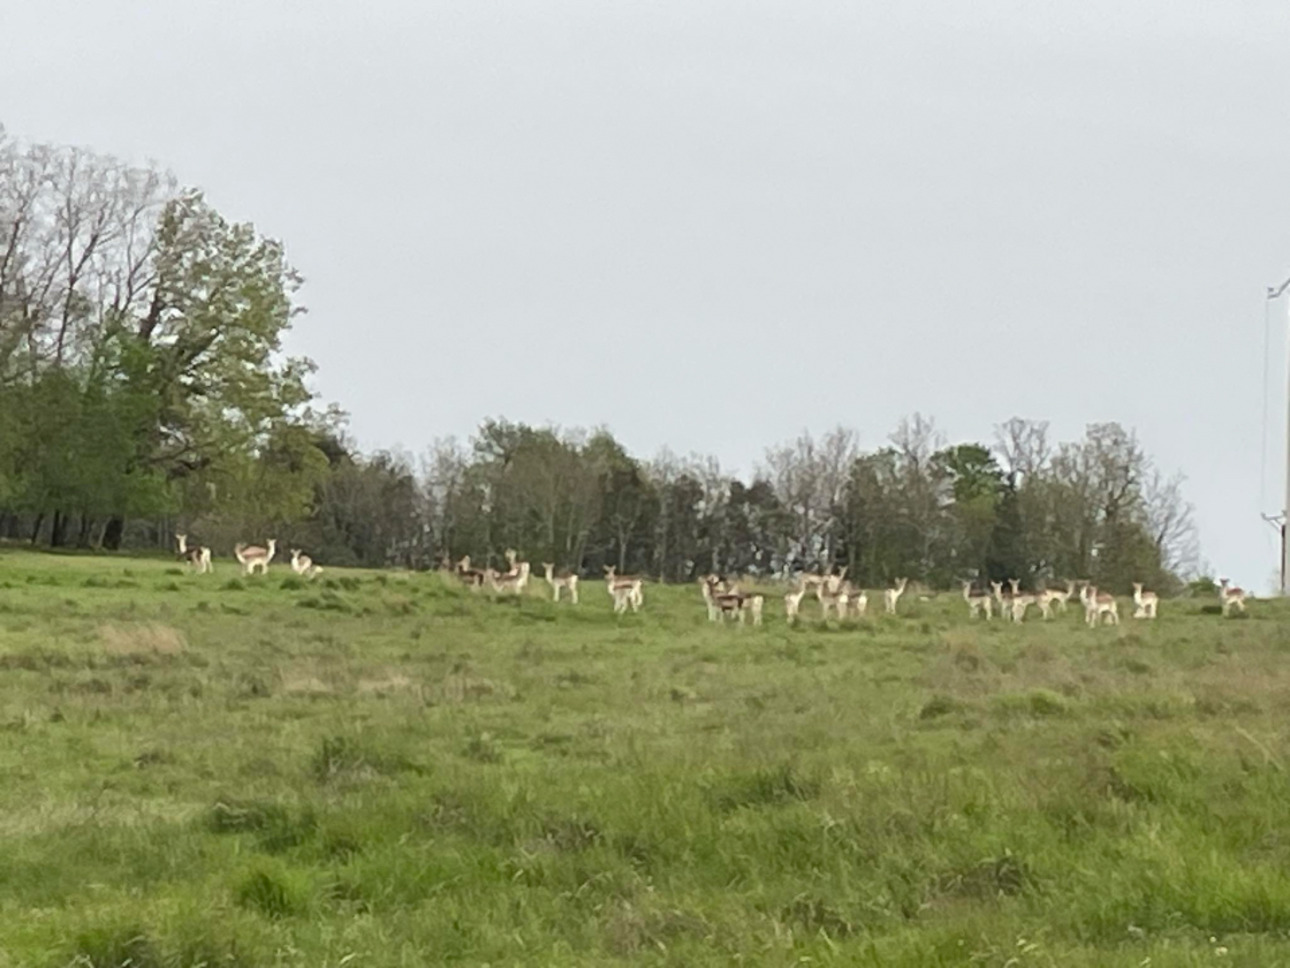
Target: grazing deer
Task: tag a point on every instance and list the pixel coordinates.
(253, 556)
(1097, 604)
(859, 600)
(892, 595)
(1146, 602)
(512, 582)
(565, 579)
(977, 602)
(1231, 596)
(198, 558)
(302, 564)
(625, 590)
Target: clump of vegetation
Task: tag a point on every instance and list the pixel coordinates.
(346, 757)
(273, 891)
(328, 601)
(771, 786)
(277, 828)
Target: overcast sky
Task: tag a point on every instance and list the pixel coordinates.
(710, 225)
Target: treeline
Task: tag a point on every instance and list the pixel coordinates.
(1023, 506)
(143, 390)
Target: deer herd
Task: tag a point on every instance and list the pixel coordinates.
(725, 599)
(252, 558)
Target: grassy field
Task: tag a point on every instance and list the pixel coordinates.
(382, 769)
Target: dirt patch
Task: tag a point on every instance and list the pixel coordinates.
(148, 639)
(387, 685)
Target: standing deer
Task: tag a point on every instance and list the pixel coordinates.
(892, 595)
(565, 579)
(253, 556)
(198, 558)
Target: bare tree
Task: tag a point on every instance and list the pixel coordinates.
(77, 240)
(1023, 445)
(809, 478)
(1170, 523)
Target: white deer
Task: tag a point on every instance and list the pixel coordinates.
(1058, 597)
(892, 595)
(563, 580)
(1003, 601)
(1097, 604)
(722, 602)
(252, 557)
(198, 558)
(977, 602)
(470, 576)
(512, 582)
(1231, 597)
(1146, 602)
(517, 572)
(833, 594)
(625, 590)
(1023, 600)
(793, 603)
(302, 564)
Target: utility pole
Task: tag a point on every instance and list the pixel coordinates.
(1273, 294)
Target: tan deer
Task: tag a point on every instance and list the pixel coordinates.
(1023, 600)
(1231, 597)
(1097, 604)
(722, 603)
(198, 558)
(511, 582)
(1146, 602)
(625, 590)
(979, 603)
(1055, 596)
(252, 557)
(793, 603)
(565, 579)
(892, 595)
(303, 565)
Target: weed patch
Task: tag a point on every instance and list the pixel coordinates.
(766, 787)
(347, 758)
(272, 891)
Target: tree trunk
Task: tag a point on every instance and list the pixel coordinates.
(35, 530)
(113, 533)
(58, 530)
(86, 529)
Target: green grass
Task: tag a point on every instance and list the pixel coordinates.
(383, 769)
